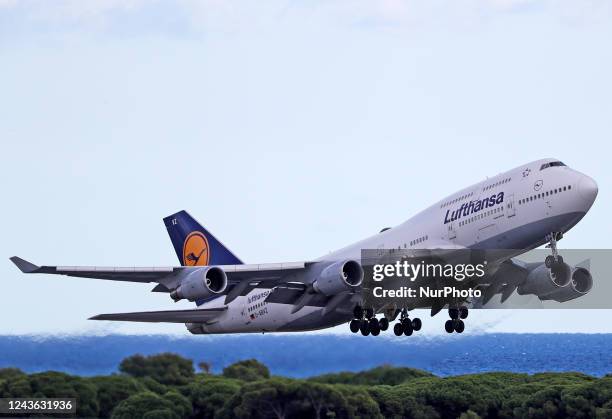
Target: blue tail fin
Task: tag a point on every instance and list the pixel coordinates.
(194, 245)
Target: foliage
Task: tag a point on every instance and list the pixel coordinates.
(146, 404)
(380, 375)
(249, 370)
(114, 389)
(165, 387)
(209, 395)
(164, 368)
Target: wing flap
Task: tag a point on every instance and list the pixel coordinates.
(170, 316)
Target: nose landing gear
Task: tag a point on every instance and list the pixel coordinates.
(551, 260)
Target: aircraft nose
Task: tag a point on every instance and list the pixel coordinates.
(588, 189)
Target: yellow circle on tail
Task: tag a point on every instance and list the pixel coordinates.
(195, 250)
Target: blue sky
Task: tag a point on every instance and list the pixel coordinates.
(288, 128)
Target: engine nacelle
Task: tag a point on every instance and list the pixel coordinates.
(338, 277)
(581, 283)
(543, 281)
(196, 328)
(201, 283)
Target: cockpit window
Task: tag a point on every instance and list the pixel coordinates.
(551, 164)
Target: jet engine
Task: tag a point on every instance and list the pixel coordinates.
(338, 277)
(580, 284)
(201, 283)
(543, 281)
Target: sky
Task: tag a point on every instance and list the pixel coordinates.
(289, 129)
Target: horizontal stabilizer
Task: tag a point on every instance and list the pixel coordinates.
(171, 316)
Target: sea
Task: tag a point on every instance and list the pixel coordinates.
(305, 355)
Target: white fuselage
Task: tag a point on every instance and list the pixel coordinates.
(513, 210)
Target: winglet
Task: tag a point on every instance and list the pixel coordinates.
(24, 266)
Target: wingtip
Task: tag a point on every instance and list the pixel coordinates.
(23, 265)
(97, 317)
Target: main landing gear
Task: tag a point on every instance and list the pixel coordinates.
(456, 324)
(405, 326)
(551, 260)
(365, 322)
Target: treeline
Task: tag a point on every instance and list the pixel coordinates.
(166, 386)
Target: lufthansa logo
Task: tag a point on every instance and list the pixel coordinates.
(195, 250)
(538, 185)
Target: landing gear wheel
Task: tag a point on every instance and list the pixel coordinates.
(407, 328)
(453, 313)
(374, 323)
(369, 313)
(374, 326)
(354, 326)
(463, 312)
(358, 312)
(383, 324)
(398, 329)
(549, 261)
(365, 328)
(416, 324)
(449, 326)
(459, 326)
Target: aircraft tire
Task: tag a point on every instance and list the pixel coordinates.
(459, 326)
(407, 326)
(365, 328)
(383, 323)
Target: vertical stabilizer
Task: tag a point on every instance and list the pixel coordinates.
(194, 245)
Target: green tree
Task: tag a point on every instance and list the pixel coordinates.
(604, 412)
(146, 404)
(359, 402)
(469, 415)
(324, 399)
(209, 395)
(9, 373)
(400, 402)
(205, 367)
(113, 389)
(274, 397)
(152, 385)
(57, 384)
(182, 405)
(166, 368)
(380, 375)
(248, 370)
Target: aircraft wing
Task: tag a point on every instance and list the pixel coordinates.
(241, 278)
(171, 316)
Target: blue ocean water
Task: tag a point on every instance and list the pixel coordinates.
(303, 355)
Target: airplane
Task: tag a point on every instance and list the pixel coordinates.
(521, 209)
